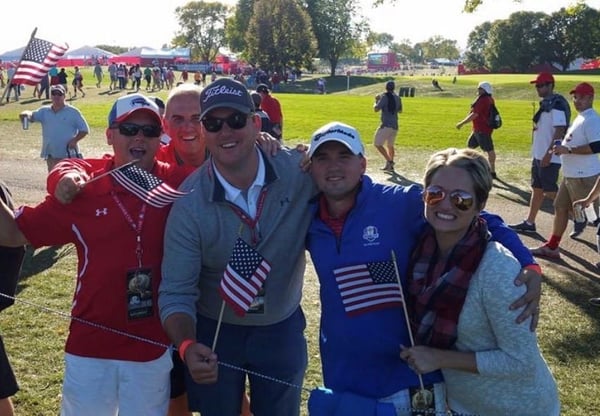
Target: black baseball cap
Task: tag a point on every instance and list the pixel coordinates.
(225, 93)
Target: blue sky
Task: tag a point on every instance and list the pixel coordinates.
(133, 23)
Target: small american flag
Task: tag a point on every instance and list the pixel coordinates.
(367, 287)
(146, 186)
(244, 276)
(38, 58)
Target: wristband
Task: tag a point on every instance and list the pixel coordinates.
(184, 346)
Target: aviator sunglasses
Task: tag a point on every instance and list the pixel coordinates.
(433, 195)
(235, 121)
(148, 130)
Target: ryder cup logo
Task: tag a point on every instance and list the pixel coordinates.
(217, 91)
(370, 233)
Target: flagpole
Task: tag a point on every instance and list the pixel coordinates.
(8, 84)
(95, 178)
(410, 335)
(214, 345)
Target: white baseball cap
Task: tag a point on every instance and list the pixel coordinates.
(337, 132)
(486, 86)
(128, 104)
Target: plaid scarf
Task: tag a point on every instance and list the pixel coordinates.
(438, 287)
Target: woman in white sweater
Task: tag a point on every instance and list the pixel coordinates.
(460, 286)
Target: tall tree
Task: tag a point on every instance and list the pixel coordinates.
(237, 25)
(474, 57)
(380, 40)
(337, 27)
(516, 43)
(572, 33)
(280, 35)
(438, 47)
(202, 28)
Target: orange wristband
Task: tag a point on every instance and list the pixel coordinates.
(184, 346)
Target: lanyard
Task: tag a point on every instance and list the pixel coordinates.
(251, 222)
(137, 228)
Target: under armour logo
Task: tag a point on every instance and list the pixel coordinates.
(285, 201)
(103, 211)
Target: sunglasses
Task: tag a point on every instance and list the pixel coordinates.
(235, 121)
(462, 200)
(57, 93)
(148, 130)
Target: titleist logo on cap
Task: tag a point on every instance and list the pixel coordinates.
(221, 90)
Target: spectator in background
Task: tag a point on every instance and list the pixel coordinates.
(16, 88)
(481, 133)
(578, 152)
(63, 126)
(264, 117)
(272, 107)
(63, 80)
(53, 72)
(549, 125)
(390, 105)
(98, 73)
(78, 82)
(114, 79)
(44, 87)
(11, 259)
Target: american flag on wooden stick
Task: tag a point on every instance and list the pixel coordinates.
(369, 286)
(39, 56)
(244, 276)
(146, 186)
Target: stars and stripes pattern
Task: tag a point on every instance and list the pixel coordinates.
(146, 186)
(38, 58)
(243, 278)
(367, 287)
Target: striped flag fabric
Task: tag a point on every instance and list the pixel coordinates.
(368, 287)
(39, 56)
(244, 275)
(146, 186)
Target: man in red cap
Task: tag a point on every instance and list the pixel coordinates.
(549, 124)
(581, 169)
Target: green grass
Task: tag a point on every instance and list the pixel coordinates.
(568, 334)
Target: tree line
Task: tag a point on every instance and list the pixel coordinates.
(280, 34)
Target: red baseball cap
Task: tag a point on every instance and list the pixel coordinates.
(543, 78)
(583, 89)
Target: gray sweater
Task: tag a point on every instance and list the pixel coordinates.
(513, 377)
(202, 229)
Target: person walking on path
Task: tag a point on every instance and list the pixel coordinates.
(481, 134)
(581, 168)
(63, 127)
(390, 105)
(550, 124)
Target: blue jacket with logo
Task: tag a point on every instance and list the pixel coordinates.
(360, 351)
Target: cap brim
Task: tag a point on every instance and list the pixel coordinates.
(234, 106)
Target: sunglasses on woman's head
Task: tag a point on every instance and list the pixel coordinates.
(235, 121)
(148, 130)
(462, 200)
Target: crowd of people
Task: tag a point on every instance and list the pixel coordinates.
(202, 295)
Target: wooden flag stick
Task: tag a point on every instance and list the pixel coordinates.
(410, 335)
(95, 178)
(214, 345)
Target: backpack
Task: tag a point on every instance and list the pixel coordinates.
(494, 120)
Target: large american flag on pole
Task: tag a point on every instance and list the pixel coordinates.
(146, 186)
(243, 278)
(39, 56)
(367, 287)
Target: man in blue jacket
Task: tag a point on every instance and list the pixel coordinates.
(355, 226)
